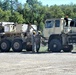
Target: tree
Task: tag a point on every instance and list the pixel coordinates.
(33, 11)
(19, 8)
(6, 5)
(14, 5)
(56, 12)
(1, 4)
(4, 15)
(32, 2)
(1, 14)
(47, 12)
(16, 17)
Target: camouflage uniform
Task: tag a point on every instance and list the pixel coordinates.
(37, 40)
(33, 42)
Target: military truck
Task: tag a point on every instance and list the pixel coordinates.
(61, 34)
(17, 39)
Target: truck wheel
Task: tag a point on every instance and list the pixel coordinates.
(17, 45)
(68, 48)
(5, 45)
(55, 45)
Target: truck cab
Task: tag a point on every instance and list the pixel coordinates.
(60, 34)
(57, 26)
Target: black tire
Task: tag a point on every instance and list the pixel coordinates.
(28, 47)
(55, 45)
(69, 48)
(5, 45)
(17, 45)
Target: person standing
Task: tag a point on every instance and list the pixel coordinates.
(38, 41)
(66, 19)
(33, 41)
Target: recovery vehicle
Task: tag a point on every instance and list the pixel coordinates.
(17, 40)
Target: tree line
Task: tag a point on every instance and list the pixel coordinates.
(33, 11)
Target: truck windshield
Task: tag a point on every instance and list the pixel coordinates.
(49, 24)
(57, 23)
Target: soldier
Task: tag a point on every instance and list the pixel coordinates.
(33, 42)
(38, 40)
(66, 19)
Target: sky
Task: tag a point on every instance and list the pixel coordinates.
(53, 2)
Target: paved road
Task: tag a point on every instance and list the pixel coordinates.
(37, 64)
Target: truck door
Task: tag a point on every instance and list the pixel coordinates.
(57, 27)
(49, 28)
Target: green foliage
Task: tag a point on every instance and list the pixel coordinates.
(17, 18)
(4, 15)
(41, 26)
(56, 12)
(6, 5)
(33, 11)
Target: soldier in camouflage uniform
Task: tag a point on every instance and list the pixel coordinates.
(33, 41)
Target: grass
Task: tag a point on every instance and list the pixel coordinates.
(43, 49)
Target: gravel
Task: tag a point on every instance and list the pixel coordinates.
(27, 63)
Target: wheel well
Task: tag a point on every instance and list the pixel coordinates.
(6, 40)
(17, 39)
(56, 36)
